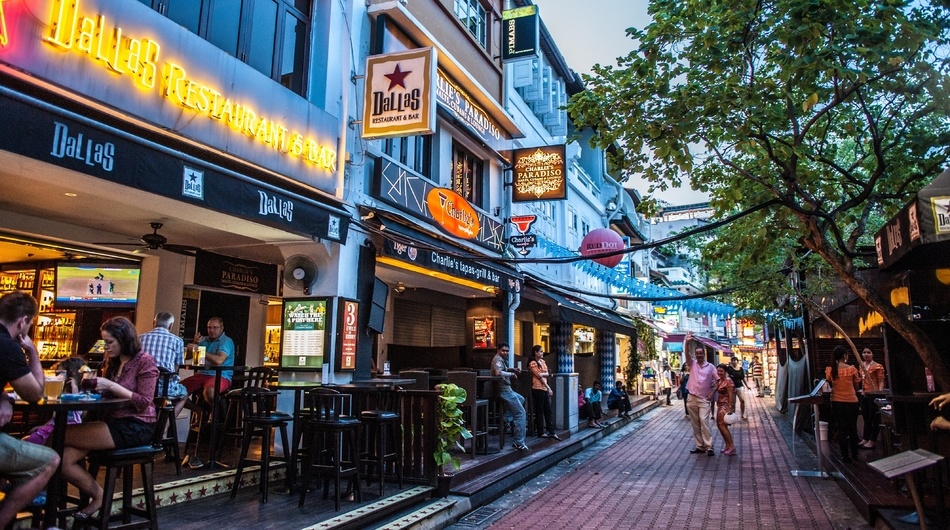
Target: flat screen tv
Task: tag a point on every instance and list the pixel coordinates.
(82, 285)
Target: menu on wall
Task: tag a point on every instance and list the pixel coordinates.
(303, 334)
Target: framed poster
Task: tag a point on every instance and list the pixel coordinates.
(347, 329)
(484, 333)
(303, 337)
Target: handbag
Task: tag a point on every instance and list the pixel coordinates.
(731, 418)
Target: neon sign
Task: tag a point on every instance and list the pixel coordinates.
(139, 59)
(3, 26)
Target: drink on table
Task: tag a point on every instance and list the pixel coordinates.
(53, 383)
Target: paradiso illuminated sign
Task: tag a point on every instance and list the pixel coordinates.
(139, 60)
(539, 174)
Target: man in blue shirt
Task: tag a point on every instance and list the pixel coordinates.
(219, 351)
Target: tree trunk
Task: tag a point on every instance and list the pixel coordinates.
(916, 337)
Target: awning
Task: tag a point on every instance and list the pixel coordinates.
(712, 344)
(579, 312)
(659, 331)
(918, 237)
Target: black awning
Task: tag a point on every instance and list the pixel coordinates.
(577, 311)
(918, 237)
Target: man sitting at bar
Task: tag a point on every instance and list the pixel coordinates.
(168, 350)
(27, 466)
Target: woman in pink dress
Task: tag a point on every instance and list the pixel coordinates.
(725, 390)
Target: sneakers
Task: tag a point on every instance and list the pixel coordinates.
(193, 462)
(520, 447)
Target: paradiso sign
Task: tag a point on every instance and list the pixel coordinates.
(139, 60)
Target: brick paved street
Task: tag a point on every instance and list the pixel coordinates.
(643, 477)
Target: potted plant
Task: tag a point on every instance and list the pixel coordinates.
(451, 428)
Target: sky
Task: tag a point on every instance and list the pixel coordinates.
(592, 32)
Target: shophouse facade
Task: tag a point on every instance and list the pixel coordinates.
(227, 136)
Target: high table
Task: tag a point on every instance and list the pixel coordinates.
(56, 489)
(217, 369)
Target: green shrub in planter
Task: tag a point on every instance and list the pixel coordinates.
(451, 427)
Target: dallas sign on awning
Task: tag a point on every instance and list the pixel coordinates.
(918, 237)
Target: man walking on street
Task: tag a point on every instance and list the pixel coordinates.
(513, 400)
(701, 385)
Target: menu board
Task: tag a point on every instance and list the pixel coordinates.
(303, 333)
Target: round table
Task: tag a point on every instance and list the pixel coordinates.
(56, 489)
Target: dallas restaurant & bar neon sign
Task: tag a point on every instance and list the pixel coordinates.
(138, 58)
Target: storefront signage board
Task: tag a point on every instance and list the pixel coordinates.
(303, 336)
(398, 96)
(452, 265)
(348, 334)
(519, 28)
(454, 100)
(235, 274)
(540, 174)
(131, 58)
(98, 152)
(408, 192)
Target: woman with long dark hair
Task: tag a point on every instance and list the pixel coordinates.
(129, 373)
(541, 394)
(844, 380)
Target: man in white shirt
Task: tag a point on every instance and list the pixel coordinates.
(702, 386)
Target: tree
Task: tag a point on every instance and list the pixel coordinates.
(839, 110)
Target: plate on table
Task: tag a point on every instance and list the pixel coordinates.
(80, 397)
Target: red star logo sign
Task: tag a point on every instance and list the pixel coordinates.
(398, 77)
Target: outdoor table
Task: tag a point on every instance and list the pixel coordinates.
(56, 489)
(217, 369)
(298, 388)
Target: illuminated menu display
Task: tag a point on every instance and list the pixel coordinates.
(349, 318)
(304, 334)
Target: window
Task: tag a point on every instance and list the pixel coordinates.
(410, 151)
(468, 176)
(269, 35)
(474, 17)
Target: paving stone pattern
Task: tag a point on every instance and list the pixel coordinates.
(647, 479)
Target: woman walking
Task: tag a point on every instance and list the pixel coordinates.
(725, 404)
(844, 380)
(541, 394)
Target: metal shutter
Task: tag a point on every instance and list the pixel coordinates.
(412, 323)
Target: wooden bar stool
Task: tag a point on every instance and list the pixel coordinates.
(332, 443)
(165, 409)
(383, 440)
(260, 419)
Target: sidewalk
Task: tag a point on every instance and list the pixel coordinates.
(642, 476)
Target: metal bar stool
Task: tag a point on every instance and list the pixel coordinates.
(260, 419)
(331, 443)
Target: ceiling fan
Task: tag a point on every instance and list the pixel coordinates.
(156, 241)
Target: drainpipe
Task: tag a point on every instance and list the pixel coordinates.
(514, 300)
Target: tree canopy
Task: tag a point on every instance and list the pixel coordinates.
(839, 110)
